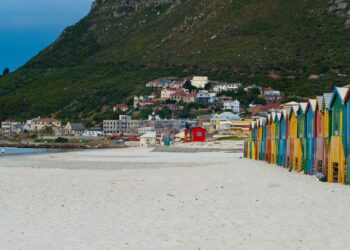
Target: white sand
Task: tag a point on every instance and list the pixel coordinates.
(135, 199)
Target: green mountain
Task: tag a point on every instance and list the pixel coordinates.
(109, 55)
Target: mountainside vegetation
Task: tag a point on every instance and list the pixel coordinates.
(295, 46)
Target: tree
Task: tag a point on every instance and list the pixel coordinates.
(188, 85)
(6, 71)
(208, 86)
(165, 113)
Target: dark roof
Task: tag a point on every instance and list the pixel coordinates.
(77, 126)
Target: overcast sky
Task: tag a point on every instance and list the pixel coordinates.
(28, 26)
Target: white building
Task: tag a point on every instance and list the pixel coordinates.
(148, 140)
(93, 132)
(199, 81)
(42, 124)
(224, 117)
(272, 95)
(147, 130)
(125, 125)
(233, 106)
(204, 97)
(223, 87)
(9, 127)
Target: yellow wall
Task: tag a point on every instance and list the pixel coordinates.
(293, 126)
(336, 156)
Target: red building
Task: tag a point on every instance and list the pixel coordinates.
(195, 135)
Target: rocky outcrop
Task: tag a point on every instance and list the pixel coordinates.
(341, 8)
(135, 3)
(122, 8)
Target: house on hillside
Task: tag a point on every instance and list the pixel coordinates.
(272, 95)
(223, 87)
(75, 129)
(199, 81)
(233, 106)
(182, 96)
(253, 86)
(178, 84)
(43, 124)
(10, 127)
(159, 83)
(143, 101)
(167, 92)
(204, 97)
(121, 107)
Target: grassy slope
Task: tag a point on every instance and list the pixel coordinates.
(103, 60)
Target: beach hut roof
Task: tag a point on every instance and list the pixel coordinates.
(285, 113)
(341, 93)
(252, 124)
(262, 121)
(346, 98)
(320, 102)
(279, 116)
(295, 109)
(327, 100)
(269, 118)
(303, 106)
(311, 104)
(149, 135)
(291, 103)
(273, 116)
(257, 122)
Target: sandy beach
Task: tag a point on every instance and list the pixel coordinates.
(137, 199)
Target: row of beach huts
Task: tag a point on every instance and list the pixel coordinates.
(311, 137)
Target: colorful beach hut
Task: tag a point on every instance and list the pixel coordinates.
(262, 128)
(268, 138)
(252, 147)
(283, 118)
(274, 131)
(337, 149)
(320, 162)
(347, 143)
(294, 152)
(302, 133)
(197, 134)
(310, 136)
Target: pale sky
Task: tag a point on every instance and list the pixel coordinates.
(28, 26)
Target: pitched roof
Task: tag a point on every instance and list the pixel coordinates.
(279, 116)
(253, 123)
(273, 116)
(121, 105)
(9, 120)
(273, 105)
(45, 119)
(77, 126)
(327, 100)
(341, 93)
(311, 103)
(303, 106)
(262, 121)
(149, 135)
(285, 113)
(170, 89)
(320, 102)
